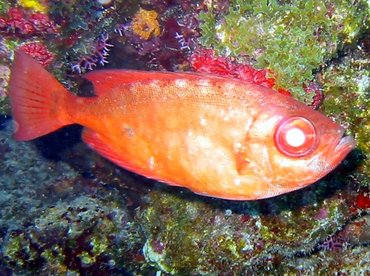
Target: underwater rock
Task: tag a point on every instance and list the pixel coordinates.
(194, 235)
(55, 220)
(346, 86)
(4, 80)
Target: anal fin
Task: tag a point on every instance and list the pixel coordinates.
(101, 145)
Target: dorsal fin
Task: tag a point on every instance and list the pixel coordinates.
(106, 80)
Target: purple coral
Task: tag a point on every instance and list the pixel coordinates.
(97, 56)
(336, 242)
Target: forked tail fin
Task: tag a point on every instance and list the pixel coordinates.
(37, 99)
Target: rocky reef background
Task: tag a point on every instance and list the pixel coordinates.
(64, 209)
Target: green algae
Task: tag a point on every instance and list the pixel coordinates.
(349, 259)
(71, 237)
(4, 6)
(4, 106)
(6, 47)
(291, 38)
(182, 236)
(55, 259)
(54, 228)
(346, 86)
(201, 237)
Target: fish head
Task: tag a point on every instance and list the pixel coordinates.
(294, 147)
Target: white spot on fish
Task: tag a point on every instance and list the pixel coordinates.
(151, 163)
(237, 181)
(198, 143)
(128, 130)
(154, 84)
(80, 100)
(204, 87)
(181, 83)
(229, 87)
(203, 82)
(202, 122)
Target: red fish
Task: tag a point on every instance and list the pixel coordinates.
(214, 135)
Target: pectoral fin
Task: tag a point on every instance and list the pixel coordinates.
(99, 143)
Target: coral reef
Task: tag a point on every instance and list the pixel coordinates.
(83, 42)
(21, 23)
(196, 236)
(165, 37)
(70, 35)
(206, 62)
(94, 56)
(53, 221)
(4, 78)
(37, 6)
(96, 237)
(291, 38)
(39, 52)
(29, 29)
(346, 87)
(66, 210)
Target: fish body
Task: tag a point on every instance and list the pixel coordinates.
(216, 136)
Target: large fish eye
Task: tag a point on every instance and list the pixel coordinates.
(295, 136)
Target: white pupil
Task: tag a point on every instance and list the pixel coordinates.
(295, 137)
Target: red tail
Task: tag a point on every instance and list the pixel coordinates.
(38, 100)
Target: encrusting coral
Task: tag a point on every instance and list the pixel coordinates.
(145, 24)
(292, 39)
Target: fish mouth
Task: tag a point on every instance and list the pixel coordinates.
(345, 144)
(339, 149)
(337, 152)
